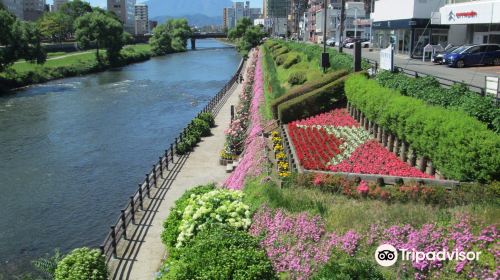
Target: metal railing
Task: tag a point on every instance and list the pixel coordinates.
(118, 231)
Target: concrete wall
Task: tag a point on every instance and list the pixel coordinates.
(405, 9)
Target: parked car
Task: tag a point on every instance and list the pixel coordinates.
(349, 40)
(331, 42)
(459, 49)
(475, 55)
(364, 43)
(438, 57)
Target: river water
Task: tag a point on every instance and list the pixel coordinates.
(73, 150)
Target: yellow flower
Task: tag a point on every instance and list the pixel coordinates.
(281, 155)
(278, 147)
(284, 174)
(275, 134)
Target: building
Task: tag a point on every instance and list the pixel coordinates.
(239, 10)
(410, 28)
(15, 7)
(125, 10)
(33, 9)
(354, 26)
(297, 10)
(264, 8)
(58, 4)
(471, 22)
(141, 19)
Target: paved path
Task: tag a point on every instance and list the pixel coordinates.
(141, 257)
(470, 75)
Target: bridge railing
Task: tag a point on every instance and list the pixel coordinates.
(166, 163)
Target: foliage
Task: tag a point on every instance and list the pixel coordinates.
(171, 225)
(82, 264)
(219, 253)
(220, 206)
(161, 41)
(208, 117)
(312, 103)
(292, 59)
(308, 87)
(460, 147)
(281, 59)
(196, 129)
(344, 267)
(104, 30)
(75, 9)
(170, 37)
(56, 26)
(458, 96)
(202, 126)
(297, 78)
(246, 35)
(47, 265)
(19, 40)
(272, 87)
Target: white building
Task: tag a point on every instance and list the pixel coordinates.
(141, 19)
(474, 22)
(353, 27)
(15, 7)
(125, 10)
(407, 25)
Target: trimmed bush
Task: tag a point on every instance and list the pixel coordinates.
(219, 253)
(281, 59)
(82, 264)
(209, 118)
(171, 225)
(279, 51)
(312, 103)
(344, 267)
(307, 87)
(297, 78)
(459, 146)
(197, 129)
(292, 59)
(458, 96)
(202, 126)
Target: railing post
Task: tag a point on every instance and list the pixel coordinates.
(161, 169)
(166, 159)
(147, 180)
(132, 208)
(172, 152)
(176, 144)
(140, 199)
(148, 189)
(101, 248)
(113, 240)
(124, 225)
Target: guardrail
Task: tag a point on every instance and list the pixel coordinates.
(442, 81)
(118, 231)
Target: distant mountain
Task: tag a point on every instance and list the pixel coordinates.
(194, 20)
(175, 8)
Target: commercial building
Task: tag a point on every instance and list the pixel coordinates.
(33, 9)
(407, 25)
(474, 22)
(353, 27)
(141, 19)
(125, 10)
(58, 4)
(15, 7)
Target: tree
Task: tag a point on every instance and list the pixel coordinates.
(240, 28)
(180, 32)
(19, 39)
(246, 35)
(75, 9)
(103, 30)
(161, 42)
(56, 26)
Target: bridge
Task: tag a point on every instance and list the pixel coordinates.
(205, 35)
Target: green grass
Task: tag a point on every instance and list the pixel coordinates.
(342, 214)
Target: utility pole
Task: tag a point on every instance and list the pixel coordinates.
(325, 58)
(342, 20)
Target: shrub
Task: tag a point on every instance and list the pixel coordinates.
(279, 51)
(171, 225)
(344, 267)
(312, 103)
(209, 118)
(281, 59)
(459, 146)
(218, 206)
(272, 87)
(197, 129)
(202, 126)
(307, 87)
(82, 263)
(292, 59)
(220, 253)
(297, 78)
(458, 96)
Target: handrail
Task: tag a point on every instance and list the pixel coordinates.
(118, 230)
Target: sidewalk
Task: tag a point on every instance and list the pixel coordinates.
(141, 257)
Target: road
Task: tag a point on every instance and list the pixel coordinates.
(470, 75)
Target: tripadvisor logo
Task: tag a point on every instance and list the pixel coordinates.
(387, 255)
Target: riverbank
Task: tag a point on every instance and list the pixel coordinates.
(24, 74)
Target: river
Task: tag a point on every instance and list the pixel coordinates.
(73, 150)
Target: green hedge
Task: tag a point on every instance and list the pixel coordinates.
(307, 87)
(219, 253)
(199, 127)
(281, 59)
(279, 51)
(272, 87)
(82, 264)
(292, 59)
(297, 78)
(458, 96)
(312, 103)
(459, 146)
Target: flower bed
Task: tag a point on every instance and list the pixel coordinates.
(334, 141)
(252, 157)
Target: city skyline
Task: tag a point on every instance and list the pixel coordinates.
(102, 3)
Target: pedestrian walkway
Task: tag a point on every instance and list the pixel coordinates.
(141, 255)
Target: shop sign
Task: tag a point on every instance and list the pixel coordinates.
(473, 13)
(492, 86)
(387, 59)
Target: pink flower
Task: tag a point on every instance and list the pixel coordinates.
(362, 188)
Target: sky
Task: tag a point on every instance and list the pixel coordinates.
(102, 3)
